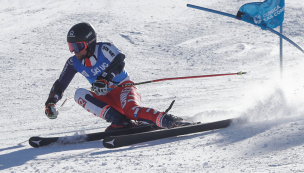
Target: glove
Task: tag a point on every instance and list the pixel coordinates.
(50, 109)
(100, 87)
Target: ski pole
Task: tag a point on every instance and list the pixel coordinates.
(164, 79)
(177, 78)
(64, 103)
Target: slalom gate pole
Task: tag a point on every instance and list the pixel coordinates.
(212, 11)
(281, 51)
(285, 38)
(177, 78)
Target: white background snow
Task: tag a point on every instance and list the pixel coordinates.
(160, 39)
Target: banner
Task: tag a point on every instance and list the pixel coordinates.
(269, 13)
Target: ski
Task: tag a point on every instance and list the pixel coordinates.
(125, 140)
(45, 141)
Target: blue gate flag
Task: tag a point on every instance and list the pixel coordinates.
(273, 18)
(269, 13)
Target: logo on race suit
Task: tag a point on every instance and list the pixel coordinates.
(135, 113)
(97, 70)
(70, 61)
(71, 34)
(84, 73)
(108, 50)
(56, 97)
(82, 102)
(123, 96)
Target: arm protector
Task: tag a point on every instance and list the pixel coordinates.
(115, 68)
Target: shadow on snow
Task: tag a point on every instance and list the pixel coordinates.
(273, 140)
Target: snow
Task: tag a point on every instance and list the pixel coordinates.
(161, 39)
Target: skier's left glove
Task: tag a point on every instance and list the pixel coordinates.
(100, 87)
(50, 109)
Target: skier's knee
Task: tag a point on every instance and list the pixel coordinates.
(80, 95)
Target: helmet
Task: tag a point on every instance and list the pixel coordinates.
(83, 32)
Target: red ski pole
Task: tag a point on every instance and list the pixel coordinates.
(177, 78)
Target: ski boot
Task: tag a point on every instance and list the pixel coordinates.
(166, 120)
(120, 124)
(169, 121)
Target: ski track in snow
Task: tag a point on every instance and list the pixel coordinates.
(161, 39)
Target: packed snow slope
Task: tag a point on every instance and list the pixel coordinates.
(160, 39)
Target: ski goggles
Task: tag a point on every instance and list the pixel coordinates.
(77, 47)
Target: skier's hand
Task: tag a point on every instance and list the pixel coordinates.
(100, 87)
(50, 111)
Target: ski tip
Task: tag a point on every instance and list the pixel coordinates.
(109, 142)
(35, 142)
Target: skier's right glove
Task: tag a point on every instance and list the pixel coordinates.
(50, 109)
(100, 87)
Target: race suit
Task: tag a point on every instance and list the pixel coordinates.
(120, 101)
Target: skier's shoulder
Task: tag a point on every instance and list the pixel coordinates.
(70, 60)
(68, 72)
(109, 49)
(70, 63)
(107, 44)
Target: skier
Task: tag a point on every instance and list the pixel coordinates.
(103, 65)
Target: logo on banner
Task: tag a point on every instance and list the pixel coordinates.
(273, 13)
(82, 102)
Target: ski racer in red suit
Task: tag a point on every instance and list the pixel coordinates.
(103, 65)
